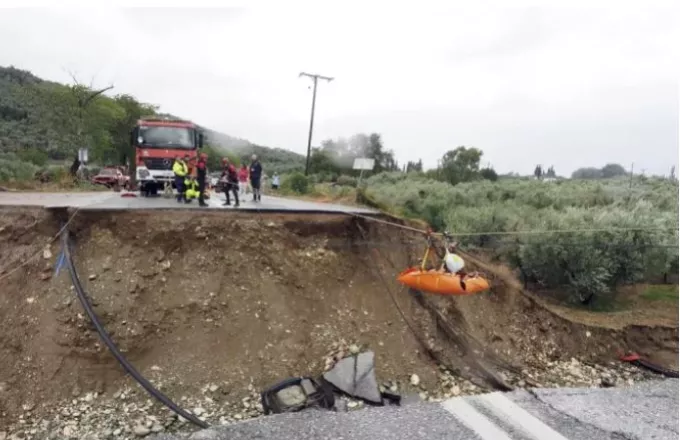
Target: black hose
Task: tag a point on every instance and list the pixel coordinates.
(82, 297)
(655, 368)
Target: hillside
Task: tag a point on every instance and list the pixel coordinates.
(43, 120)
(276, 159)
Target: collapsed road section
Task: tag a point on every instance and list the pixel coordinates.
(213, 310)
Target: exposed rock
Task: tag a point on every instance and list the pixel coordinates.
(141, 431)
(69, 431)
(157, 428)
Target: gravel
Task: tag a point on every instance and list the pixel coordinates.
(130, 413)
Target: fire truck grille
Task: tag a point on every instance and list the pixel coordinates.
(158, 164)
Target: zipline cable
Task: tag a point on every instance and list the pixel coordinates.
(525, 232)
(490, 376)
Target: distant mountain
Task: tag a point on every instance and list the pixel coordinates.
(225, 141)
(275, 159)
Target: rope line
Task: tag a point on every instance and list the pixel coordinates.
(526, 232)
(589, 244)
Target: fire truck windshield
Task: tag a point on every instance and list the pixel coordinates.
(163, 136)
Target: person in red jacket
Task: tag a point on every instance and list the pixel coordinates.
(201, 175)
(230, 181)
(243, 176)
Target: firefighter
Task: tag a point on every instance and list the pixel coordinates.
(180, 169)
(201, 175)
(190, 189)
(229, 179)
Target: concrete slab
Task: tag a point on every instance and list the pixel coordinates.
(55, 200)
(114, 201)
(643, 411)
(646, 411)
(422, 421)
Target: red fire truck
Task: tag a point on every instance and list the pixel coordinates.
(157, 142)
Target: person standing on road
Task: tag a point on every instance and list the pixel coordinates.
(180, 169)
(243, 180)
(202, 174)
(275, 181)
(255, 176)
(229, 179)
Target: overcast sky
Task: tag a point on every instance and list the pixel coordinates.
(567, 87)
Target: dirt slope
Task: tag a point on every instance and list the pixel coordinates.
(209, 299)
(245, 301)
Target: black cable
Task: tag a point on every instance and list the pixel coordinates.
(82, 297)
(666, 372)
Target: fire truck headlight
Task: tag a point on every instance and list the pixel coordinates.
(143, 173)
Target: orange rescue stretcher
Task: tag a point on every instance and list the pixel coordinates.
(439, 282)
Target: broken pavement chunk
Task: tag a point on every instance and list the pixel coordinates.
(355, 375)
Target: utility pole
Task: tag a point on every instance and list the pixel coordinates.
(630, 186)
(311, 120)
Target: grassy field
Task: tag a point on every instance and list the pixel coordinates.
(663, 292)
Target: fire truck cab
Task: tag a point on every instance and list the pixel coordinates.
(157, 143)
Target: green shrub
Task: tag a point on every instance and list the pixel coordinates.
(16, 170)
(347, 181)
(298, 183)
(51, 174)
(34, 156)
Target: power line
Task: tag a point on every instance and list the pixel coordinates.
(316, 78)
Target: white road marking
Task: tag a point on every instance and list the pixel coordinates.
(519, 417)
(474, 420)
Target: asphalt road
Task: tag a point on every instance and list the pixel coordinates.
(114, 201)
(642, 412)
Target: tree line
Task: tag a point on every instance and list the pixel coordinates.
(336, 157)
